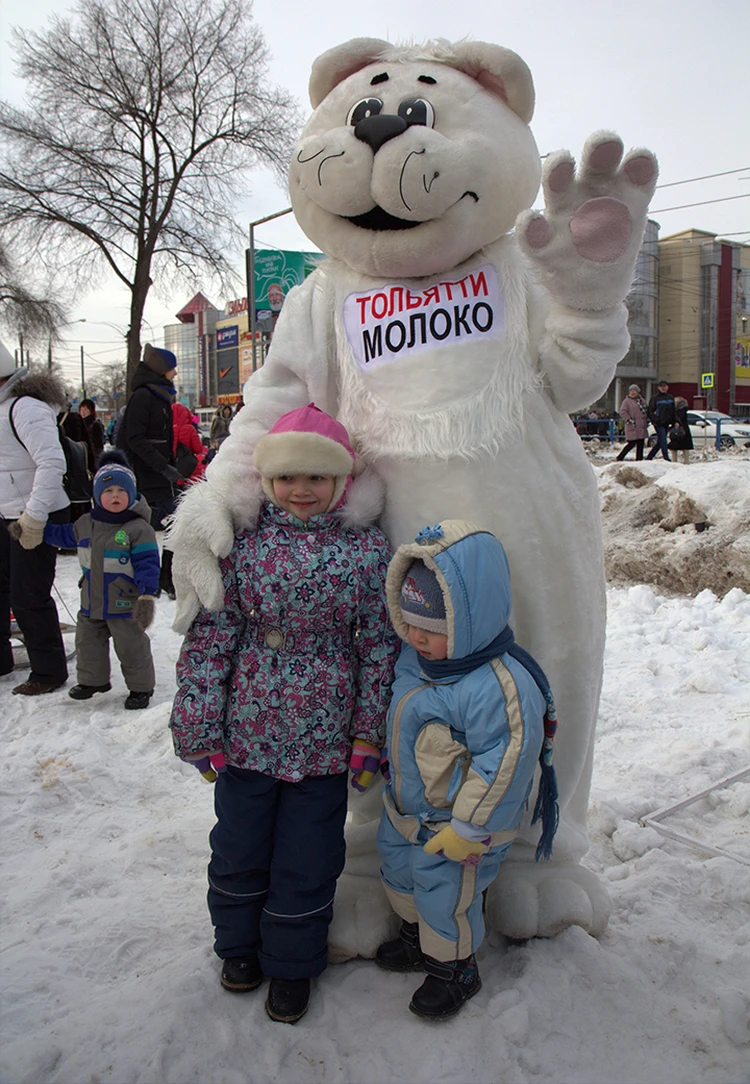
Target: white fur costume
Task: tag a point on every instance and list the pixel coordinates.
(454, 368)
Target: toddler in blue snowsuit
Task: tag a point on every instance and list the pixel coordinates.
(471, 717)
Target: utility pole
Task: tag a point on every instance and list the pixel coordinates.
(83, 378)
(250, 272)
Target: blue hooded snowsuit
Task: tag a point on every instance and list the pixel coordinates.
(463, 748)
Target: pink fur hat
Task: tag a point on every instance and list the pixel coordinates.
(306, 441)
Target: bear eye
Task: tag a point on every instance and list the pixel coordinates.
(367, 107)
(417, 111)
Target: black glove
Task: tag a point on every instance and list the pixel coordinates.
(172, 474)
(143, 611)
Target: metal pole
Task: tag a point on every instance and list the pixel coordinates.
(251, 293)
(250, 268)
(83, 378)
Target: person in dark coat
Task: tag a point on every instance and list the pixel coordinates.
(662, 416)
(73, 426)
(680, 437)
(87, 410)
(147, 437)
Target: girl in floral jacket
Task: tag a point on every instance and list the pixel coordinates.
(283, 691)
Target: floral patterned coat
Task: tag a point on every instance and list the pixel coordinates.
(300, 661)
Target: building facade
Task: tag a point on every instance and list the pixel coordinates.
(703, 320)
(193, 342)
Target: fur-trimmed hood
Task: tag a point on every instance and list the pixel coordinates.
(46, 387)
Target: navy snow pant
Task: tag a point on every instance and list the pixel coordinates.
(277, 850)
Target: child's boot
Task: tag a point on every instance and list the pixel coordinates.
(241, 973)
(136, 701)
(288, 999)
(85, 692)
(404, 953)
(447, 986)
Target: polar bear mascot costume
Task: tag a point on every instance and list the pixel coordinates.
(452, 347)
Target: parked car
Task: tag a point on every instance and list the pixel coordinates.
(704, 424)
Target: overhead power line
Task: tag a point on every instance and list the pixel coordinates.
(702, 203)
(708, 177)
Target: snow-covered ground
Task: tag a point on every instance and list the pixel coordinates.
(108, 973)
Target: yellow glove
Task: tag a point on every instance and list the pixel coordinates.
(455, 846)
(29, 532)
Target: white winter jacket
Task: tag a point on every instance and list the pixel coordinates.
(31, 476)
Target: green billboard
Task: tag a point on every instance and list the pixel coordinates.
(276, 271)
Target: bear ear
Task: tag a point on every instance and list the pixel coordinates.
(337, 64)
(500, 71)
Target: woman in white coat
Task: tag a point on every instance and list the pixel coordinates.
(32, 465)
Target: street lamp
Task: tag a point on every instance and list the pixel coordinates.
(68, 323)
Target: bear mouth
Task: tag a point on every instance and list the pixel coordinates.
(378, 219)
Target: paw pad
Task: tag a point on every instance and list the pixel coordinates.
(601, 229)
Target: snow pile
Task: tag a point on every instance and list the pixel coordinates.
(679, 528)
(108, 973)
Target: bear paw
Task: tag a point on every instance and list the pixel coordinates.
(585, 243)
(362, 919)
(540, 900)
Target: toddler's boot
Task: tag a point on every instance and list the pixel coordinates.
(288, 999)
(241, 973)
(403, 953)
(85, 692)
(446, 988)
(136, 701)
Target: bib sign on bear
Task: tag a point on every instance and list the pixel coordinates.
(452, 330)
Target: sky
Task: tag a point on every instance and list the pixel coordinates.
(108, 970)
(669, 78)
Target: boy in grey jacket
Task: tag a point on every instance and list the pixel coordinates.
(119, 556)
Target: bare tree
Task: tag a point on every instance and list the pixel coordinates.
(146, 117)
(30, 313)
(109, 385)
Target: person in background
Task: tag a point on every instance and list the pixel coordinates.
(119, 557)
(73, 426)
(87, 410)
(284, 691)
(680, 437)
(189, 449)
(219, 430)
(661, 414)
(32, 465)
(634, 412)
(146, 435)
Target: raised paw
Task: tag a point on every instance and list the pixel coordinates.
(585, 242)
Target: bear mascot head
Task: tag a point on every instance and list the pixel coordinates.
(414, 159)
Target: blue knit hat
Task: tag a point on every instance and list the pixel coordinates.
(422, 603)
(114, 471)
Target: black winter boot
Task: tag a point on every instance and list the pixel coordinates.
(85, 692)
(288, 999)
(404, 953)
(136, 701)
(446, 988)
(241, 973)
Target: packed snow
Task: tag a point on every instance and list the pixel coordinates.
(108, 971)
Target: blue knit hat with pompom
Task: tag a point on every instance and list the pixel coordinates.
(115, 471)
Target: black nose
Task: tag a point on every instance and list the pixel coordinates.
(377, 130)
